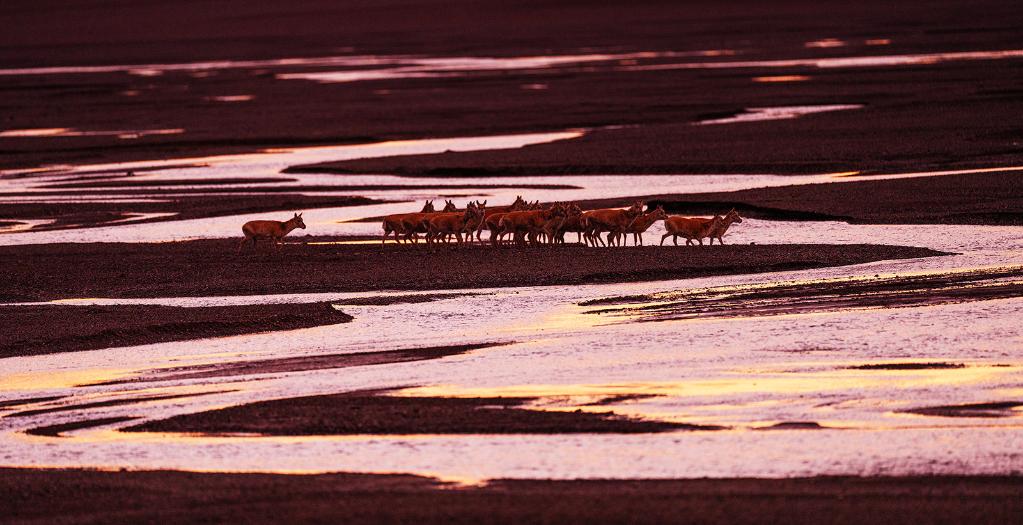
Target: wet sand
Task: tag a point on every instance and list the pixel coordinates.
(355, 413)
(48, 329)
(202, 268)
(817, 297)
(82, 496)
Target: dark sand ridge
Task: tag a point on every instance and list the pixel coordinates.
(83, 496)
(375, 412)
(47, 329)
(980, 198)
(915, 116)
(300, 364)
(993, 198)
(72, 215)
(203, 268)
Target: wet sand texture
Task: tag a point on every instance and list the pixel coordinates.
(200, 268)
(78, 496)
(822, 296)
(48, 329)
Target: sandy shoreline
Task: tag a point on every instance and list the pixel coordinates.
(83, 496)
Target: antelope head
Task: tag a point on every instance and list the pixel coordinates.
(449, 205)
(428, 207)
(557, 210)
(659, 213)
(297, 221)
(733, 216)
(519, 203)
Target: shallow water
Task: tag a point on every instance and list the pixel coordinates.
(745, 372)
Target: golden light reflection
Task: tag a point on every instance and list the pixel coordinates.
(780, 380)
(566, 318)
(41, 380)
(782, 78)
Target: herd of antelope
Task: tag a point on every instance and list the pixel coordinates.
(524, 221)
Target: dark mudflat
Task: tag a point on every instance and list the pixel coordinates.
(376, 413)
(82, 496)
(981, 198)
(203, 268)
(48, 329)
(301, 364)
(993, 409)
(915, 115)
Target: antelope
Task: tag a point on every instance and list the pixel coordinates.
(529, 222)
(556, 229)
(393, 223)
(440, 225)
(493, 218)
(640, 225)
(719, 230)
(270, 230)
(608, 220)
(472, 225)
(412, 223)
(690, 228)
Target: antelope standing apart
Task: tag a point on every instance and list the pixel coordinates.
(440, 225)
(719, 230)
(639, 226)
(612, 220)
(529, 222)
(269, 230)
(689, 228)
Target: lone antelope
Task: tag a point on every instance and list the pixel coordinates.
(640, 225)
(269, 230)
(690, 228)
(610, 220)
(719, 230)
